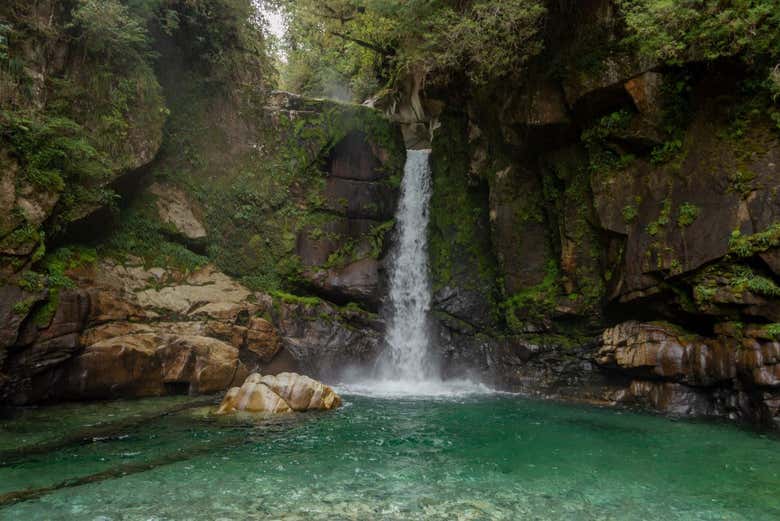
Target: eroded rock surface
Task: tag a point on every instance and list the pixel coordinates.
(282, 393)
(128, 331)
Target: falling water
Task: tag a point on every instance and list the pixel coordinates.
(407, 366)
(407, 357)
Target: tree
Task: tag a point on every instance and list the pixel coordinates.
(359, 45)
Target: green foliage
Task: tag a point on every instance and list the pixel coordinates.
(666, 151)
(605, 158)
(733, 279)
(773, 331)
(534, 302)
(107, 28)
(657, 226)
(687, 214)
(703, 294)
(745, 278)
(630, 213)
(676, 115)
(489, 39)
(289, 298)
(348, 50)
(377, 237)
(5, 29)
(32, 281)
(53, 151)
(225, 40)
(607, 126)
(140, 234)
(741, 182)
(748, 245)
(22, 308)
(675, 31)
(57, 264)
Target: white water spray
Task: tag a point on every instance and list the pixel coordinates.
(407, 367)
(408, 336)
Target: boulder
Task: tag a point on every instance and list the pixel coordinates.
(176, 209)
(201, 288)
(301, 392)
(152, 364)
(357, 281)
(283, 393)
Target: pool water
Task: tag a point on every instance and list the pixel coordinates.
(481, 457)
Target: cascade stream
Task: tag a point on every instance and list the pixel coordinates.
(407, 355)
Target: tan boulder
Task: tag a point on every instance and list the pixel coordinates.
(282, 393)
(153, 364)
(253, 396)
(176, 208)
(301, 392)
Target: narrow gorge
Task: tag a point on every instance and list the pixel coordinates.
(531, 248)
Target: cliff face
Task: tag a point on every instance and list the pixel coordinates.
(612, 191)
(603, 228)
(186, 278)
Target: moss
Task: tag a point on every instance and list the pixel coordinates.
(748, 245)
(687, 214)
(655, 227)
(773, 331)
(459, 232)
(289, 298)
(744, 278)
(533, 303)
(141, 234)
(44, 313)
(22, 308)
(630, 213)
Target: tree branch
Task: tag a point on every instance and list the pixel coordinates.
(367, 45)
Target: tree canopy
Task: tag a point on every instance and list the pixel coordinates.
(350, 48)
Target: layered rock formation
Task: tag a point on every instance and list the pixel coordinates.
(127, 331)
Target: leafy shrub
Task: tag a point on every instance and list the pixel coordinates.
(688, 30)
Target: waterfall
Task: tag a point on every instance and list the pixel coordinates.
(408, 336)
(406, 366)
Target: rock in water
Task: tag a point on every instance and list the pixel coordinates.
(285, 392)
(301, 392)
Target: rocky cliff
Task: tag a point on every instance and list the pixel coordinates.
(247, 234)
(610, 226)
(605, 227)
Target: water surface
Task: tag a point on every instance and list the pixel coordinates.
(481, 456)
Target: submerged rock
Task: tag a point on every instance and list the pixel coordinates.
(285, 392)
